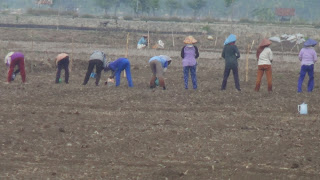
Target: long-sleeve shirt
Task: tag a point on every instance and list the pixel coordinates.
(231, 53)
(307, 56)
(266, 56)
(12, 56)
(189, 55)
(143, 41)
(163, 61)
(98, 55)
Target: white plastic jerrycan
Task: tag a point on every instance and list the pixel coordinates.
(303, 108)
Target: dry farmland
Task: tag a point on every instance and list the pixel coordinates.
(70, 131)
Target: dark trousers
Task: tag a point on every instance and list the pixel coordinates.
(304, 70)
(235, 76)
(20, 63)
(63, 64)
(99, 68)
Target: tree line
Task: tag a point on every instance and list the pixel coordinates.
(250, 9)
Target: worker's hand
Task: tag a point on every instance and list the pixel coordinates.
(164, 69)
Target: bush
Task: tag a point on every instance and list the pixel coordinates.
(206, 28)
(245, 20)
(209, 20)
(88, 16)
(42, 12)
(173, 19)
(51, 12)
(128, 18)
(316, 25)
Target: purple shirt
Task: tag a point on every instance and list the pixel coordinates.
(12, 56)
(307, 56)
(189, 55)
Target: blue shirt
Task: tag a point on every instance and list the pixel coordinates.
(115, 64)
(163, 61)
(142, 41)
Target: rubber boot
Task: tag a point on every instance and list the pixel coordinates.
(162, 84)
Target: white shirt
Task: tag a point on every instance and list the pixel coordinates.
(265, 57)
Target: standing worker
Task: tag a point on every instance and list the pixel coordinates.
(231, 55)
(98, 59)
(159, 65)
(62, 61)
(264, 56)
(12, 59)
(117, 67)
(143, 42)
(308, 57)
(189, 54)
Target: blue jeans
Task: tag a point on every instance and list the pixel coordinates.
(124, 65)
(306, 69)
(193, 72)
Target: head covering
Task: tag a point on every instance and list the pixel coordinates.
(61, 56)
(190, 40)
(8, 58)
(167, 58)
(231, 38)
(310, 42)
(264, 43)
(144, 35)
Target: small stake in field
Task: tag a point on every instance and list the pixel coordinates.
(148, 38)
(172, 39)
(127, 49)
(247, 60)
(215, 43)
(31, 50)
(71, 56)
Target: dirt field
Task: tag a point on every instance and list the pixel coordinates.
(70, 131)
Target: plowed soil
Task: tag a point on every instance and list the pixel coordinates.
(71, 131)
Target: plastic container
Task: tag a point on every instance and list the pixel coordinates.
(93, 75)
(303, 108)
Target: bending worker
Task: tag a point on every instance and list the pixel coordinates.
(117, 67)
(12, 59)
(98, 59)
(159, 65)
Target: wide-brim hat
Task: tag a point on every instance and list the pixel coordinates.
(265, 42)
(190, 40)
(310, 42)
(231, 38)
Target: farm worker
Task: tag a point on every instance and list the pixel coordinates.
(159, 65)
(143, 42)
(264, 57)
(189, 54)
(62, 61)
(98, 59)
(231, 55)
(12, 59)
(117, 67)
(308, 57)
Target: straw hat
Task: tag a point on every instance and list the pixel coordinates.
(190, 40)
(265, 42)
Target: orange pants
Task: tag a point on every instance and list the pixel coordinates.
(261, 70)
